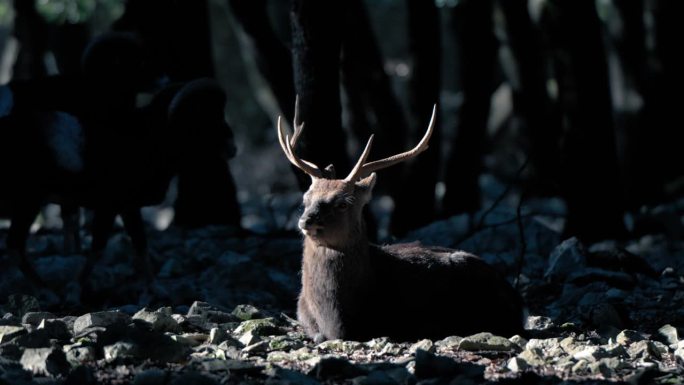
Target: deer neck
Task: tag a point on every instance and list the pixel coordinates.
(339, 268)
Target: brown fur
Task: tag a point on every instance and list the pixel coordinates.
(356, 290)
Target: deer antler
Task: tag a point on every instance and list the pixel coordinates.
(363, 169)
(288, 144)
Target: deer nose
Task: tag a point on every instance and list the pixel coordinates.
(309, 222)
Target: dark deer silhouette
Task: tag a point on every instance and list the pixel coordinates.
(353, 289)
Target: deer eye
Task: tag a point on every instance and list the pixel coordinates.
(342, 205)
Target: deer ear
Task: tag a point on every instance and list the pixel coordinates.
(367, 183)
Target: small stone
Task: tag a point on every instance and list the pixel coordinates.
(258, 347)
(210, 312)
(428, 365)
(541, 323)
(627, 337)
(103, 318)
(516, 364)
(518, 341)
(160, 321)
(35, 317)
(425, 344)
(679, 354)
(216, 336)
(284, 343)
(333, 368)
(55, 329)
(549, 347)
(78, 354)
(643, 350)
(249, 338)
(580, 367)
(246, 312)
(486, 342)
(449, 342)
(120, 350)
(259, 327)
(669, 335)
(532, 357)
(565, 259)
(45, 361)
(190, 339)
(9, 332)
(606, 366)
(339, 346)
(391, 349)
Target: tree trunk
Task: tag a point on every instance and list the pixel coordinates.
(541, 115)
(31, 30)
(273, 59)
(176, 35)
(316, 40)
(374, 107)
(590, 175)
(415, 207)
(477, 48)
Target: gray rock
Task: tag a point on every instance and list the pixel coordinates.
(210, 312)
(587, 275)
(518, 341)
(152, 376)
(216, 336)
(9, 332)
(532, 357)
(449, 342)
(627, 337)
(284, 343)
(565, 259)
(20, 304)
(333, 368)
(249, 338)
(78, 354)
(428, 365)
(160, 321)
(486, 342)
(669, 335)
(259, 327)
(103, 319)
(35, 317)
(516, 364)
(425, 344)
(246, 312)
(643, 350)
(55, 329)
(340, 346)
(45, 361)
(121, 350)
(679, 354)
(606, 366)
(541, 323)
(35, 339)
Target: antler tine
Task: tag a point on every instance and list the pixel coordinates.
(368, 168)
(287, 145)
(359, 164)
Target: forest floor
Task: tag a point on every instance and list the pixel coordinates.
(221, 306)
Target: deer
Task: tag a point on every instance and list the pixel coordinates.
(356, 290)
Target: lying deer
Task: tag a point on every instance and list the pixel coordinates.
(353, 289)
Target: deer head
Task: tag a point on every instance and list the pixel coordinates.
(332, 207)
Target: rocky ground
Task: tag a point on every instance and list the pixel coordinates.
(221, 305)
